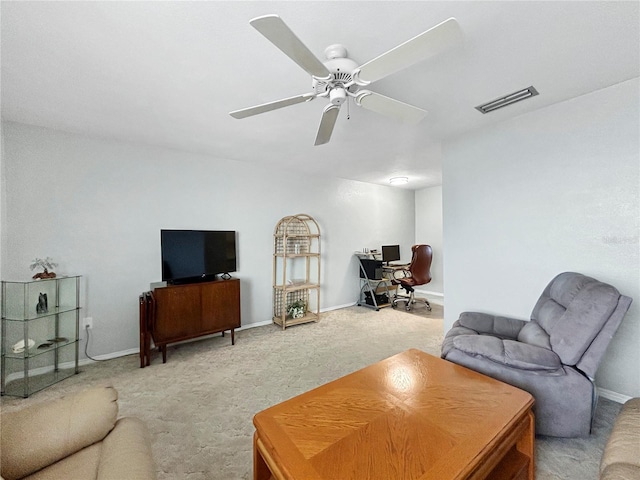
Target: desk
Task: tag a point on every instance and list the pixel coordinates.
(376, 289)
(389, 271)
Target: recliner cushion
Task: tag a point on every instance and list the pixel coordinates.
(534, 334)
(484, 323)
(572, 310)
(508, 352)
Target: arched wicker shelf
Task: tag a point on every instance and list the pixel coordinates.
(296, 271)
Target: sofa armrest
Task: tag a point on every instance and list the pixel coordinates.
(510, 353)
(623, 446)
(39, 435)
(126, 452)
(483, 323)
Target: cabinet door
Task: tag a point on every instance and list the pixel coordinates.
(177, 313)
(221, 305)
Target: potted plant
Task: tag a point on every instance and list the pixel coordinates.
(297, 309)
(45, 264)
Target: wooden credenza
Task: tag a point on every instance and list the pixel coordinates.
(181, 312)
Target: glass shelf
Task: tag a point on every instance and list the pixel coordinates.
(36, 350)
(36, 316)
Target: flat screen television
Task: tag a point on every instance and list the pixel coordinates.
(196, 255)
(390, 253)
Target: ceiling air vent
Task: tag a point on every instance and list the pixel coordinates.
(507, 100)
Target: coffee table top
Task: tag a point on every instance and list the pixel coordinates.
(411, 416)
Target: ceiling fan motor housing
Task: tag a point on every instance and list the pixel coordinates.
(340, 68)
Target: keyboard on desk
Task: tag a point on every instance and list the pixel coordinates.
(395, 266)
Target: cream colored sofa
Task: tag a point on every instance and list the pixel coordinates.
(621, 458)
(75, 437)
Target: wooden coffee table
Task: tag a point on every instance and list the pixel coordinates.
(411, 416)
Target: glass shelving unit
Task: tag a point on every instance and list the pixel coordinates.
(40, 333)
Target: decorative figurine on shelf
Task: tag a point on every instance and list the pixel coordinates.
(20, 347)
(45, 264)
(42, 305)
(296, 309)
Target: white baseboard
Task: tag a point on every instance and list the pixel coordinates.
(132, 351)
(110, 356)
(614, 396)
(433, 297)
(254, 325)
(338, 307)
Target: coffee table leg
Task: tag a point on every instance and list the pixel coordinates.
(526, 446)
(260, 469)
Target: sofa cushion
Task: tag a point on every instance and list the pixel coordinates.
(623, 446)
(620, 471)
(40, 435)
(82, 465)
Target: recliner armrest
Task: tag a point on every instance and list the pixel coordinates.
(484, 323)
(510, 353)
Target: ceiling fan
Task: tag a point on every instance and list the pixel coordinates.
(339, 77)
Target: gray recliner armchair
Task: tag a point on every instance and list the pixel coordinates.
(554, 356)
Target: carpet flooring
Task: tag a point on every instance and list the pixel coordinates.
(200, 404)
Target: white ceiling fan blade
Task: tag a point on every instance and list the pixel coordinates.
(390, 107)
(329, 116)
(278, 33)
(267, 107)
(435, 40)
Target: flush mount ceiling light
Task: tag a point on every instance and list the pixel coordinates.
(398, 180)
(507, 100)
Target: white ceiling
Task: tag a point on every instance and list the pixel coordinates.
(168, 73)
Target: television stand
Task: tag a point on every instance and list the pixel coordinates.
(176, 313)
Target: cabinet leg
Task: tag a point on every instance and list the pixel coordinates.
(233, 336)
(142, 353)
(164, 353)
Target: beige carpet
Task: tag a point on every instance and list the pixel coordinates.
(199, 405)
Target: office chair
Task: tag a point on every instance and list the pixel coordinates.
(419, 273)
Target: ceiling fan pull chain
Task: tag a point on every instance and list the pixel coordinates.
(348, 111)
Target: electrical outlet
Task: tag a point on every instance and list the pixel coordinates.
(87, 322)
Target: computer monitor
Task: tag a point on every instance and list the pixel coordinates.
(390, 253)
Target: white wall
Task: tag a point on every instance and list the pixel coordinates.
(429, 230)
(2, 201)
(97, 207)
(551, 191)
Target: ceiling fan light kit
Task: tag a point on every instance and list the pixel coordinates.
(339, 77)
